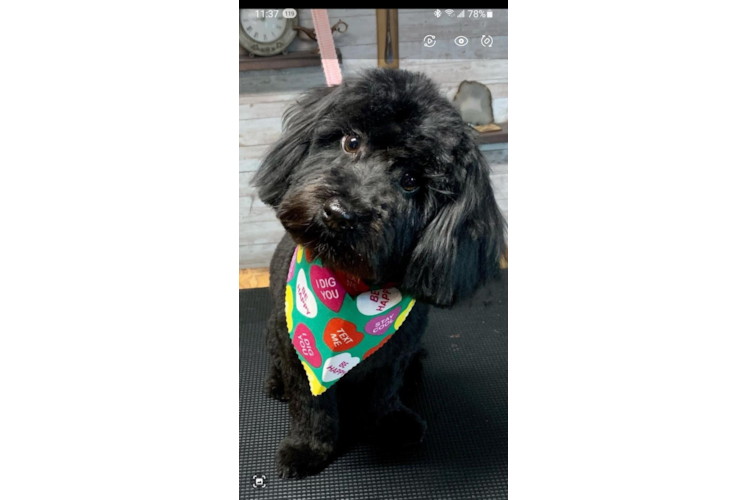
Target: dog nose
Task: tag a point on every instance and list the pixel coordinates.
(337, 216)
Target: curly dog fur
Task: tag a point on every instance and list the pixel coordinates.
(407, 200)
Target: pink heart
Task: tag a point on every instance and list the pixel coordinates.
(327, 288)
(292, 267)
(304, 342)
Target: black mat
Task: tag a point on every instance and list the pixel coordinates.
(462, 394)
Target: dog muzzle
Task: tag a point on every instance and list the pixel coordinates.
(335, 321)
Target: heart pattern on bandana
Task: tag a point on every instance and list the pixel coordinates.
(292, 267)
(341, 335)
(327, 288)
(304, 342)
(378, 301)
(337, 366)
(380, 324)
(335, 320)
(353, 285)
(305, 302)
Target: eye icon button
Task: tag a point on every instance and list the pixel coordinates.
(461, 41)
(429, 41)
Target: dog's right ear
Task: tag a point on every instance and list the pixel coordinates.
(298, 129)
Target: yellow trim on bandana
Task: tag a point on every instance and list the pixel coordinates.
(289, 308)
(404, 314)
(314, 384)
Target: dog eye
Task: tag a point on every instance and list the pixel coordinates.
(351, 143)
(409, 182)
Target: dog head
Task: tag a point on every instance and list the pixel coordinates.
(380, 178)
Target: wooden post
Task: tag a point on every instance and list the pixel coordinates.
(388, 50)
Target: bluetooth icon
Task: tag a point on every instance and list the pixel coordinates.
(438, 13)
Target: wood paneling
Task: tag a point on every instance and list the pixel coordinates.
(257, 256)
(252, 152)
(260, 232)
(258, 132)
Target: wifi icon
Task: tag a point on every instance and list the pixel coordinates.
(449, 12)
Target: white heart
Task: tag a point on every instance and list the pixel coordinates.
(378, 301)
(337, 366)
(306, 304)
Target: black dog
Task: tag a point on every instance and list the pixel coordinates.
(381, 179)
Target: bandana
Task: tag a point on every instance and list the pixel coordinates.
(335, 321)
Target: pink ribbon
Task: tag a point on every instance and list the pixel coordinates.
(326, 47)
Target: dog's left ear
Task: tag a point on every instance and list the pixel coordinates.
(459, 250)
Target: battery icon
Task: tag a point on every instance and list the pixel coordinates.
(489, 13)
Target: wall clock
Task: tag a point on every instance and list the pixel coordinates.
(266, 32)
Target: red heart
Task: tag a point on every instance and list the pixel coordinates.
(341, 335)
(353, 285)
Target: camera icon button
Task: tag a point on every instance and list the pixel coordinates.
(259, 481)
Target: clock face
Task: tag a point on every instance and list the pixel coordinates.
(260, 27)
(267, 32)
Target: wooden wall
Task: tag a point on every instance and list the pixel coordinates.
(263, 95)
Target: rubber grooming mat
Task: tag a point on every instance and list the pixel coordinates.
(462, 395)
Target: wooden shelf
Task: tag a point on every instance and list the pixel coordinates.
(498, 136)
(300, 59)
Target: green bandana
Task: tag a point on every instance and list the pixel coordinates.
(337, 321)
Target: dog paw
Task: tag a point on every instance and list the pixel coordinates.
(298, 459)
(274, 388)
(401, 427)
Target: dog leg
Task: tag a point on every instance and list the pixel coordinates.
(274, 386)
(400, 426)
(413, 376)
(274, 382)
(395, 423)
(310, 445)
